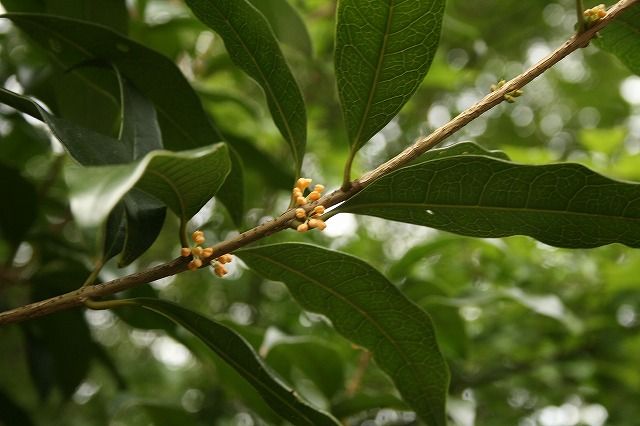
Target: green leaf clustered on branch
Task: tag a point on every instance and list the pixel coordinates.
(412, 307)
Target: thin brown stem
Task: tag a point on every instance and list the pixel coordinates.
(422, 145)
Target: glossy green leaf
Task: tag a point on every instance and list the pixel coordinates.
(383, 51)
(620, 37)
(253, 47)
(85, 145)
(140, 131)
(236, 352)
(144, 220)
(362, 402)
(232, 191)
(460, 148)
(564, 205)
(71, 42)
(286, 23)
(367, 309)
(19, 205)
(184, 181)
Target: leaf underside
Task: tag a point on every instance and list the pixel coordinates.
(367, 309)
(563, 205)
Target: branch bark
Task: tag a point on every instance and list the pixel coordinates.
(420, 146)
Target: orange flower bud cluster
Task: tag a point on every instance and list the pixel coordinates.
(197, 252)
(312, 220)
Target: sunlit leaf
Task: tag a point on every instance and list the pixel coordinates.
(184, 181)
(383, 51)
(236, 352)
(564, 205)
(253, 47)
(367, 309)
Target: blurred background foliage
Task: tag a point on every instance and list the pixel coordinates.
(533, 335)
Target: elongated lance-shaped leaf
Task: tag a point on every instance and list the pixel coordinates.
(563, 205)
(184, 181)
(239, 354)
(252, 47)
(622, 38)
(71, 42)
(460, 148)
(383, 51)
(368, 310)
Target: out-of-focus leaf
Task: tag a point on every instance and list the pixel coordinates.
(259, 161)
(114, 232)
(22, 144)
(232, 348)
(548, 305)
(110, 13)
(19, 205)
(85, 145)
(64, 361)
(603, 140)
(363, 402)
(164, 415)
(327, 371)
(71, 42)
(620, 37)
(286, 23)
(564, 205)
(11, 413)
(253, 48)
(367, 309)
(184, 181)
(383, 51)
(232, 191)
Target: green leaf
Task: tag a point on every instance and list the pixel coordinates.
(12, 413)
(603, 140)
(20, 205)
(239, 354)
(232, 191)
(367, 309)
(620, 37)
(383, 51)
(286, 23)
(564, 205)
(71, 42)
(363, 402)
(460, 148)
(315, 359)
(85, 145)
(140, 131)
(253, 47)
(144, 220)
(184, 181)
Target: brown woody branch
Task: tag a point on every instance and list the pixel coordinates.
(422, 145)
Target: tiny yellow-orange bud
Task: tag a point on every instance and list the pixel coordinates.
(318, 210)
(185, 251)
(197, 251)
(318, 188)
(194, 264)
(301, 201)
(220, 270)
(197, 235)
(303, 183)
(300, 213)
(302, 227)
(207, 252)
(321, 225)
(314, 195)
(313, 223)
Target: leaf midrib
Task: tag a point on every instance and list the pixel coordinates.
(267, 85)
(349, 209)
(376, 77)
(350, 303)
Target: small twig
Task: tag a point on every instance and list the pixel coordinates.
(422, 145)
(581, 25)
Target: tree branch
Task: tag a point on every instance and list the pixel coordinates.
(422, 145)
